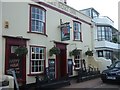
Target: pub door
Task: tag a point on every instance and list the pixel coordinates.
(12, 61)
(61, 61)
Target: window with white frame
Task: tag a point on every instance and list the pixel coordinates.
(104, 33)
(37, 20)
(77, 30)
(77, 61)
(37, 59)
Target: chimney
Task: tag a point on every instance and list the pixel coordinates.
(65, 1)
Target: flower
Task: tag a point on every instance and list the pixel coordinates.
(54, 50)
(89, 53)
(75, 52)
(21, 51)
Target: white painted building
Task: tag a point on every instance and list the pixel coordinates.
(39, 26)
(106, 37)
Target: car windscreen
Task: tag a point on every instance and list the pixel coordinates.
(117, 64)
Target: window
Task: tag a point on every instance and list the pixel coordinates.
(77, 30)
(13, 48)
(100, 53)
(108, 54)
(77, 62)
(104, 33)
(117, 64)
(37, 59)
(105, 53)
(37, 20)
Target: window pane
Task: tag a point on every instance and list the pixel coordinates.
(33, 10)
(13, 48)
(33, 56)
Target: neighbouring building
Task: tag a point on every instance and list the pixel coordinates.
(106, 38)
(38, 27)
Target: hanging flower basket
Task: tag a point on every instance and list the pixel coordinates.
(21, 51)
(54, 50)
(89, 53)
(74, 52)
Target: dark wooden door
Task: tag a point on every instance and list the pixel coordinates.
(61, 61)
(12, 61)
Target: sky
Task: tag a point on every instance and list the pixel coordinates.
(104, 7)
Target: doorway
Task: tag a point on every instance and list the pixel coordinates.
(61, 61)
(12, 61)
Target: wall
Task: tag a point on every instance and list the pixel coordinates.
(108, 44)
(104, 20)
(17, 14)
(1, 38)
(103, 63)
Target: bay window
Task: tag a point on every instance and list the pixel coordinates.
(104, 33)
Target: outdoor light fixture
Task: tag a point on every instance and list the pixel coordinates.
(6, 24)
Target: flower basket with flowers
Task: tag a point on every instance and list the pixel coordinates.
(21, 50)
(74, 52)
(54, 50)
(89, 53)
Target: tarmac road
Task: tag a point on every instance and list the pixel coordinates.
(94, 84)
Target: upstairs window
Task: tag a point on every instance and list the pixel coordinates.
(77, 31)
(104, 33)
(37, 20)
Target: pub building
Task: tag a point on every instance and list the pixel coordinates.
(37, 34)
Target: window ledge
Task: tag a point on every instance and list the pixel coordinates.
(76, 69)
(78, 40)
(38, 33)
(35, 74)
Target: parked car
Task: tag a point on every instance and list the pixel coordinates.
(112, 73)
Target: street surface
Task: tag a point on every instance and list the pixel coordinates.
(95, 84)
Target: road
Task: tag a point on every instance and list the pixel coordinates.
(95, 84)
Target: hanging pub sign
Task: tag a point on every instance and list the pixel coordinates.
(65, 31)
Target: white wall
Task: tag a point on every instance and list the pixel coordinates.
(0, 38)
(104, 20)
(103, 63)
(17, 14)
(107, 44)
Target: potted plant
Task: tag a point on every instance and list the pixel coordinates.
(74, 52)
(114, 39)
(21, 50)
(89, 53)
(54, 50)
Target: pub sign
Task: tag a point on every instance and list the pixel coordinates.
(65, 32)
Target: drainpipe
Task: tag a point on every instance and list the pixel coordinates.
(92, 35)
(1, 73)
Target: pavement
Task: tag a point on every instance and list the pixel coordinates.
(83, 85)
(93, 84)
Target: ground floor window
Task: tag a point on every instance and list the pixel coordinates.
(37, 59)
(105, 53)
(78, 61)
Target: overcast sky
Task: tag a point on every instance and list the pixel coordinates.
(104, 7)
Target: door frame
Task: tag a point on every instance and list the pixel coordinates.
(63, 48)
(15, 42)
